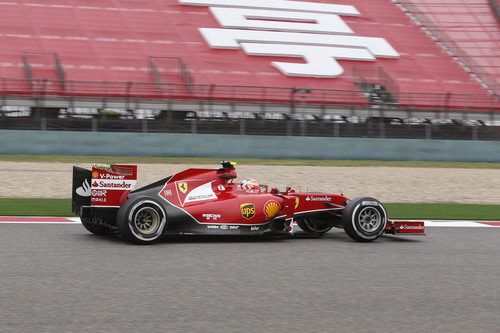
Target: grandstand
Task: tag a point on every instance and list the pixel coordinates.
(468, 29)
(339, 62)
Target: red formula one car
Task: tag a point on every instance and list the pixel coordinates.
(210, 201)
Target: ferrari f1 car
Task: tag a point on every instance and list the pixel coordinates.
(211, 201)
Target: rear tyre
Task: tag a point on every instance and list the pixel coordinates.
(364, 219)
(88, 223)
(317, 225)
(141, 220)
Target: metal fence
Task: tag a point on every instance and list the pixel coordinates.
(130, 92)
(372, 128)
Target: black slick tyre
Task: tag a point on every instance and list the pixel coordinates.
(141, 220)
(364, 219)
(92, 227)
(317, 225)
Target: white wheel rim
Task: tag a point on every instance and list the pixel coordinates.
(147, 220)
(369, 219)
(154, 227)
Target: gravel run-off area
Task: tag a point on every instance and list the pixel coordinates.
(388, 184)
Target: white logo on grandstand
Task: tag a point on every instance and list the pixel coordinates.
(84, 190)
(283, 29)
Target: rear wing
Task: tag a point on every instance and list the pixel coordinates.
(106, 185)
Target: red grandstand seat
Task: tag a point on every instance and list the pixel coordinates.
(112, 40)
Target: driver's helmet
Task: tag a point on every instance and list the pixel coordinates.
(250, 184)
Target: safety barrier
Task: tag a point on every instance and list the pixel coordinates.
(244, 146)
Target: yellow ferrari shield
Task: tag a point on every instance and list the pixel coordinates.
(183, 187)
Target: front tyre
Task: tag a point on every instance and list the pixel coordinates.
(364, 219)
(141, 220)
(317, 225)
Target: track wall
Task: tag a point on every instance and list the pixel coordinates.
(243, 146)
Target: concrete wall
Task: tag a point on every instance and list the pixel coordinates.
(242, 146)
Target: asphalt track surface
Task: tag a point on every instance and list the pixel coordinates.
(60, 278)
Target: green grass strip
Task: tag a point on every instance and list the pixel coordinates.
(443, 211)
(62, 207)
(35, 207)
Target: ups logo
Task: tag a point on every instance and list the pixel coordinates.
(247, 210)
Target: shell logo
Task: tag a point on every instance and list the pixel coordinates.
(271, 209)
(95, 174)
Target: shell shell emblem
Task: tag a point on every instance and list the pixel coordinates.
(95, 174)
(271, 209)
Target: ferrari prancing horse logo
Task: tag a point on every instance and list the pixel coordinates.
(247, 210)
(183, 187)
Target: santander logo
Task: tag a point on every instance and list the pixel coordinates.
(314, 32)
(84, 190)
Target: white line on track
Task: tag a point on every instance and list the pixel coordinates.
(38, 222)
(459, 223)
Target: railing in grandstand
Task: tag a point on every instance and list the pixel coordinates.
(362, 76)
(486, 78)
(60, 71)
(163, 66)
(27, 70)
(130, 91)
(495, 6)
(38, 64)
